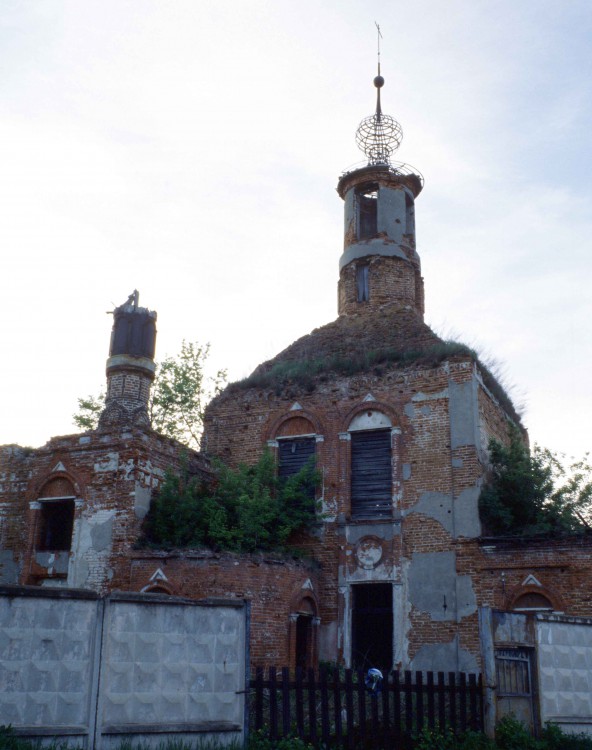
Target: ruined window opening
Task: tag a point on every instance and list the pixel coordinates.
(367, 198)
(362, 287)
(56, 525)
(293, 455)
(409, 215)
(372, 626)
(371, 474)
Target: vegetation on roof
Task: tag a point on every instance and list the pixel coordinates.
(306, 373)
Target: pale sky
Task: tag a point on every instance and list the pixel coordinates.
(191, 150)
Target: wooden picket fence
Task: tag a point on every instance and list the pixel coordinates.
(334, 709)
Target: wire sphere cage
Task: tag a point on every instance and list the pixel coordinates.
(378, 137)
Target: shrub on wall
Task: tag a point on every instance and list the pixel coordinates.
(534, 493)
(244, 510)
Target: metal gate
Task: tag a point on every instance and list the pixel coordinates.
(513, 669)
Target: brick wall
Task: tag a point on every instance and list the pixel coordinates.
(275, 586)
(112, 475)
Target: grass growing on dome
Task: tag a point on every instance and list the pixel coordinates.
(306, 373)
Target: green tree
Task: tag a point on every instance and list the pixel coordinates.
(243, 510)
(534, 493)
(179, 394)
(89, 411)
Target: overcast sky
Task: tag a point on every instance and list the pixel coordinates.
(191, 150)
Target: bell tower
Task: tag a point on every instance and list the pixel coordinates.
(130, 366)
(379, 266)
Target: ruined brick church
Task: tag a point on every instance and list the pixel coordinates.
(398, 422)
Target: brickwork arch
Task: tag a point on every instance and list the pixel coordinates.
(520, 595)
(297, 422)
(303, 629)
(370, 406)
(158, 588)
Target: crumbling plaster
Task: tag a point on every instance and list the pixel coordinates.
(436, 588)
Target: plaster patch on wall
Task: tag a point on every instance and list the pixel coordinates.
(383, 573)
(142, 496)
(328, 641)
(85, 538)
(444, 657)
(406, 471)
(466, 509)
(78, 572)
(329, 508)
(385, 531)
(101, 534)
(436, 505)
(463, 408)
(435, 587)
(9, 569)
(109, 462)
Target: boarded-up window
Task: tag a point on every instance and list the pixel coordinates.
(57, 521)
(371, 485)
(295, 454)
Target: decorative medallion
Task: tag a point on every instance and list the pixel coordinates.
(369, 552)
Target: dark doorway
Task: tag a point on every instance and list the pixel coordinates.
(304, 641)
(372, 626)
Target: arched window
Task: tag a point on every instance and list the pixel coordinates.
(56, 519)
(532, 601)
(371, 465)
(296, 447)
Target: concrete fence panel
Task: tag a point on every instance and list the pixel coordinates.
(564, 648)
(94, 670)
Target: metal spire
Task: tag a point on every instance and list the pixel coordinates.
(379, 80)
(380, 135)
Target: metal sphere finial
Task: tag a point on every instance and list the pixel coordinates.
(380, 135)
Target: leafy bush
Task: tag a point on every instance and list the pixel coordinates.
(260, 741)
(556, 739)
(435, 739)
(245, 510)
(511, 734)
(534, 493)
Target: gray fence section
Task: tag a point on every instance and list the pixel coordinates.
(92, 670)
(564, 650)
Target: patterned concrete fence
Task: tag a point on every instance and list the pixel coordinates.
(564, 651)
(94, 670)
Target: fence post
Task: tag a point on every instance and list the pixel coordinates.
(397, 706)
(259, 698)
(312, 705)
(299, 703)
(452, 694)
(431, 702)
(349, 707)
(325, 724)
(273, 714)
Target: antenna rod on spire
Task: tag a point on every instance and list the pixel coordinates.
(379, 80)
(378, 38)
